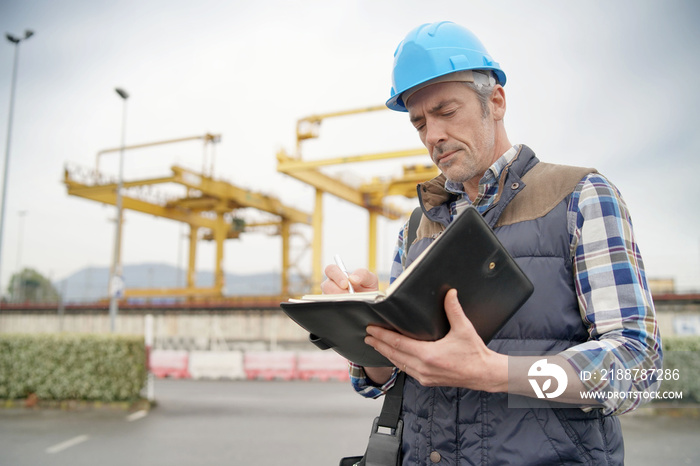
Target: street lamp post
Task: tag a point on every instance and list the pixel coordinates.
(19, 283)
(15, 41)
(116, 280)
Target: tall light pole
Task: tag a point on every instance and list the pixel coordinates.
(19, 284)
(116, 280)
(15, 41)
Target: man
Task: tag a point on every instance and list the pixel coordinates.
(591, 313)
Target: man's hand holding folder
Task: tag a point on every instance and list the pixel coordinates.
(441, 362)
(467, 257)
(432, 363)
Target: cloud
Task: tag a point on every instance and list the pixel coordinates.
(607, 84)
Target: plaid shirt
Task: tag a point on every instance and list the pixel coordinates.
(614, 299)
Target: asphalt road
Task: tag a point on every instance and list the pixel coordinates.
(254, 423)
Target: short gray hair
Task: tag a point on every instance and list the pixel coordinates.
(483, 85)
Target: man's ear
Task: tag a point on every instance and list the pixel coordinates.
(498, 103)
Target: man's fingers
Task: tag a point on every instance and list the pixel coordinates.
(452, 307)
(455, 314)
(334, 273)
(364, 280)
(336, 281)
(394, 346)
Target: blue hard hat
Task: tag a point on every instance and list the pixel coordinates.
(433, 50)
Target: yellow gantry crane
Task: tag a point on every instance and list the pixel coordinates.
(370, 196)
(207, 205)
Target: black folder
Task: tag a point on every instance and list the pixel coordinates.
(467, 256)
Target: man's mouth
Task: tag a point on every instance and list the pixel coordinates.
(445, 156)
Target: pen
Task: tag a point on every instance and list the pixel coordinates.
(339, 263)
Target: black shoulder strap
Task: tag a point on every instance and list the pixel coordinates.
(384, 448)
(391, 409)
(413, 222)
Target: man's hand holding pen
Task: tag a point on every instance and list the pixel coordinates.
(338, 282)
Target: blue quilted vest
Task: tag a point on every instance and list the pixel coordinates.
(454, 426)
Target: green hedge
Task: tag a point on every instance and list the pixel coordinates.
(683, 354)
(113, 368)
(72, 367)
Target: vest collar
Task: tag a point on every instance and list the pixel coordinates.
(432, 194)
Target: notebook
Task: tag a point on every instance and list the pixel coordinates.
(467, 256)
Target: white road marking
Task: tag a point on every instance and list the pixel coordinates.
(137, 415)
(67, 444)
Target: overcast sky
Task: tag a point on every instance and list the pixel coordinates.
(612, 85)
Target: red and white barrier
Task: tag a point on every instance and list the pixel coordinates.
(216, 365)
(269, 365)
(170, 363)
(322, 365)
(235, 365)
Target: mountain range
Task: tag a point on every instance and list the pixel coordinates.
(91, 283)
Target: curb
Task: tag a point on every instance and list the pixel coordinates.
(32, 403)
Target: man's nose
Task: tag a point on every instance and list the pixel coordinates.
(434, 134)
